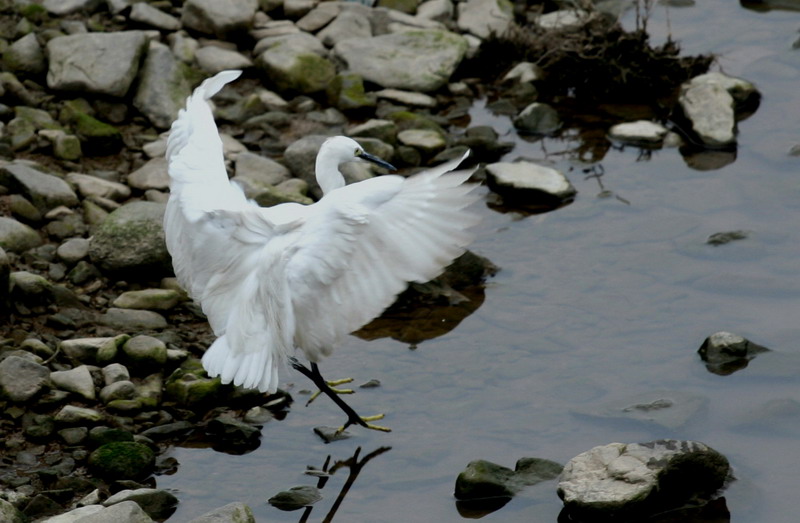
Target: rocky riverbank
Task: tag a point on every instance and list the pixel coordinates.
(99, 348)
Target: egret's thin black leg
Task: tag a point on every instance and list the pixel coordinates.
(314, 375)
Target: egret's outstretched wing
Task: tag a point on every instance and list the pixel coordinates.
(221, 250)
(366, 241)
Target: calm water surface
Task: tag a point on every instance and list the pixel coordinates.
(606, 298)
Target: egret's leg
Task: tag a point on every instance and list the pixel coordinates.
(332, 384)
(352, 416)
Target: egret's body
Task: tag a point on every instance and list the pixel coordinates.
(273, 280)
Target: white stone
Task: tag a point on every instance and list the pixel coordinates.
(523, 73)
(710, 108)
(484, 17)
(349, 24)
(407, 97)
(638, 131)
(77, 380)
(563, 19)
(530, 176)
(93, 186)
(144, 13)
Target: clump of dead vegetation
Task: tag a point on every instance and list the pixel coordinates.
(596, 61)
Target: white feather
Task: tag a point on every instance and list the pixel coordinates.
(272, 280)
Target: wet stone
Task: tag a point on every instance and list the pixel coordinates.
(669, 409)
(77, 380)
(527, 182)
(73, 415)
(157, 503)
(21, 379)
(725, 353)
(74, 435)
(122, 460)
(152, 299)
(233, 434)
(640, 479)
(537, 118)
(296, 498)
(641, 131)
(145, 352)
(234, 512)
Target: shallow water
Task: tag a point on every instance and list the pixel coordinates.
(607, 298)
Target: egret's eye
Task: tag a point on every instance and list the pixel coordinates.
(357, 153)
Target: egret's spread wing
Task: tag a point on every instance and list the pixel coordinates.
(367, 241)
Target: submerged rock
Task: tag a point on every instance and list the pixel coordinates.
(484, 479)
(671, 409)
(724, 353)
(296, 498)
(628, 480)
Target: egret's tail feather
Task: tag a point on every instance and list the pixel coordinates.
(252, 370)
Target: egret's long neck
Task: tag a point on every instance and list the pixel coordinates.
(328, 175)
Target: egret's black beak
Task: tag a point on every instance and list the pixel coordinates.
(377, 161)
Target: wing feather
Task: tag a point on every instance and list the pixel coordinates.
(376, 236)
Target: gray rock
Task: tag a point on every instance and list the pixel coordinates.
(21, 133)
(145, 351)
(182, 46)
(30, 289)
(73, 250)
(564, 19)
(300, 42)
(93, 350)
(741, 90)
(21, 379)
(724, 353)
(73, 415)
(384, 130)
(420, 60)
(640, 131)
(425, 140)
(45, 191)
(537, 118)
(523, 73)
(88, 186)
(233, 512)
(528, 182)
(65, 146)
(292, 63)
(16, 236)
(407, 98)
(273, 28)
(125, 512)
(152, 175)
(25, 56)
(348, 24)
(10, 514)
(100, 63)
(119, 390)
(256, 173)
(144, 13)
(74, 435)
(152, 299)
(710, 109)
(78, 514)
(295, 9)
(484, 479)
(65, 7)
(485, 17)
(213, 59)
(5, 271)
(296, 497)
(115, 372)
(319, 17)
(131, 319)
(78, 380)
(439, 10)
(158, 503)
(163, 86)
(640, 479)
(222, 18)
(131, 239)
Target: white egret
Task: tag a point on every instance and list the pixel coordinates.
(273, 280)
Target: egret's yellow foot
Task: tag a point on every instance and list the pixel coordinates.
(331, 385)
(364, 423)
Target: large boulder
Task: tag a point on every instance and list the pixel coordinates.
(639, 479)
(131, 240)
(45, 191)
(294, 63)
(164, 84)
(100, 63)
(415, 60)
(223, 18)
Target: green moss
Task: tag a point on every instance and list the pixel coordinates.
(347, 92)
(405, 6)
(122, 460)
(407, 120)
(33, 12)
(310, 73)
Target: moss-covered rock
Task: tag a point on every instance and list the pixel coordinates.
(122, 460)
(189, 387)
(347, 93)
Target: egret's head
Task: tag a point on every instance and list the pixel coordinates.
(342, 149)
